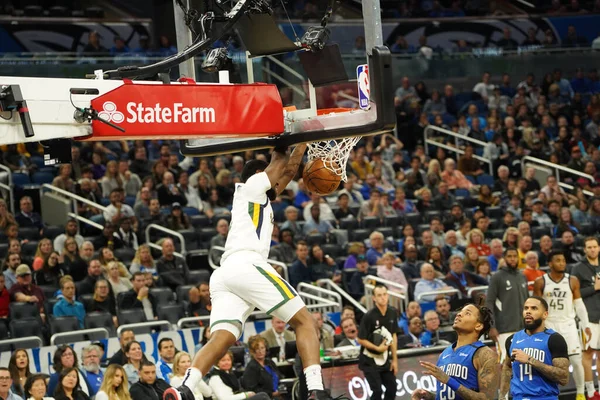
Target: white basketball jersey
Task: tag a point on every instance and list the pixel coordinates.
(251, 218)
(560, 299)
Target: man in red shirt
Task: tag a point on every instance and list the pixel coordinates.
(26, 292)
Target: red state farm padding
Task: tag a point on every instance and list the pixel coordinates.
(189, 111)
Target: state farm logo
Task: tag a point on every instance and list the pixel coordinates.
(110, 113)
(157, 114)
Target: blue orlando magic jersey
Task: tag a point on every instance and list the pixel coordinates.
(458, 364)
(527, 382)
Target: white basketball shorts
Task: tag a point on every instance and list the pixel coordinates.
(569, 331)
(245, 281)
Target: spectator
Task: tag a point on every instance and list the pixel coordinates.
(573, 39)
(114, 385)
(428, 283)
(507, 42)
(65, 359)
(94, 47)
(139, 297)
(299, 270)
(525, 245)
(172, 270)
(495, 254)
(484, 88)
(357, 286)
(70, 386)
(572, 255)
(181, 363)
(91, 367)
(350, 333)
(285, 250)
(119, 358)
(199, 300)
(148, 386)
(135, 357)
(451, 246)
(372, 207)
(389, 272)
(35, 388)
(468, 165)
(224, 383)
(43, 251)
(166, 351)
(442, 307)
(63, 179)
(26, 292)
(454, 178)
(169, 193)
(291, 222)
(67, 305)
(117, 209)
(315, 224)
(324, 335)
(119, 46)
(411, 266)
(460, 279)
(401, 204)
(26, 217)
(532, 271)
(261, 375)
(118, 283)
(475, 239)
(102, 301)
(20, 370)
(73, 264)
(545, 249)
(87, 285)
(405, 95)
(413, 336)
(143, 261)
(13, 260)
(322, 266)
(430, 335)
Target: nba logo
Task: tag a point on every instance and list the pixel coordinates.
(364, 88)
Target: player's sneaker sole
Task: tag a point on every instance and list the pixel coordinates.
(174, 394)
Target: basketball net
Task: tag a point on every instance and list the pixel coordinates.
(334, 153)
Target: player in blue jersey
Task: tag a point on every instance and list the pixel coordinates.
(539, 357)
(467, 369)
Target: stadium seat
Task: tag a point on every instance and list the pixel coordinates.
(494, 212)
(332, 249)
(125, 255)
(216, 218)
(191, 238)
(586, 228)
(39, 178)
(170, 312)
(49, 305)
(20, 179)
(49, 290)
(538, 231)
(28, 249)
(370, 223)
(359, 235)
(205, 234)
(3, 332)
(471, 179)
(198, 276)
(432, 213)
(182, 292)
(199, 221)
(386, 231)
(3, 250)
(25, 327)
(392, 220)
(315, 238)
(485, 179)
(52, 231)
(24, 310)
(38, 161)
(63, 324)
(349, 223)
(496, 233)
(239, 353)
(190, 211)
(100, 320)
(86, 299)
(163, 296)
(461, 193)
(132, 316)
(413, 219)
(30, 233)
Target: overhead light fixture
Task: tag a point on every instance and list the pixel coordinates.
(216, 60)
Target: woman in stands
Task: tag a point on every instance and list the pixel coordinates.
(565, 223)
(471, 259)
(111, 179)
(63, 180)
(354, 249)
(35, 387)
(435, 257)
(134, 354)
(485, 198)
(114, 385)
(401, 205)
(143, 261)
(261, 375)
(102, 300)
(73, 264)
(178, 220)
(223, 382)
(484, 270)
(65, 359)
(5, 216)
(181, 363)
(68, 387)
(117, 282)
(106, 256)
(204, 187)
(475, 239)
(463, 232)
(43, 251)
(511, 238)
(18, 366)
(407, 241)
(322, 265)
(51, 272)
(158, 170)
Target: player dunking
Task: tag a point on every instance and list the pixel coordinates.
(245, 280)
(561, 291)
(539, 359)
(468, 369)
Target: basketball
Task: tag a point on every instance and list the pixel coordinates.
(319, 179)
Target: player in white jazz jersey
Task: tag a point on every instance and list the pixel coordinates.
(245, 279)
(561, 291)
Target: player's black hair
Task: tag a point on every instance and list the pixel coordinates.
(486, 316)
(251, 167)
(555, 253)
(541, 300)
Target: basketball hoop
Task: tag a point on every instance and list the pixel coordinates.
(334, 153)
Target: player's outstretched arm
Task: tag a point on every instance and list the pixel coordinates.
(505, 377)
(486, 362)
(538, 286)
(291, 168)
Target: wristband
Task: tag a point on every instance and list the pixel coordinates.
(453, 384)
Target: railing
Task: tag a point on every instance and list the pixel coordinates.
(312, 294)
(436, 293)
(331, 285)
(74, 199)
(168, 231)
(58, 336)
(14, 341)
(455, 149)
(396, 291)
(476, 289)
(9, 188)
(149, 324)
(557, 169)
(221, 249)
